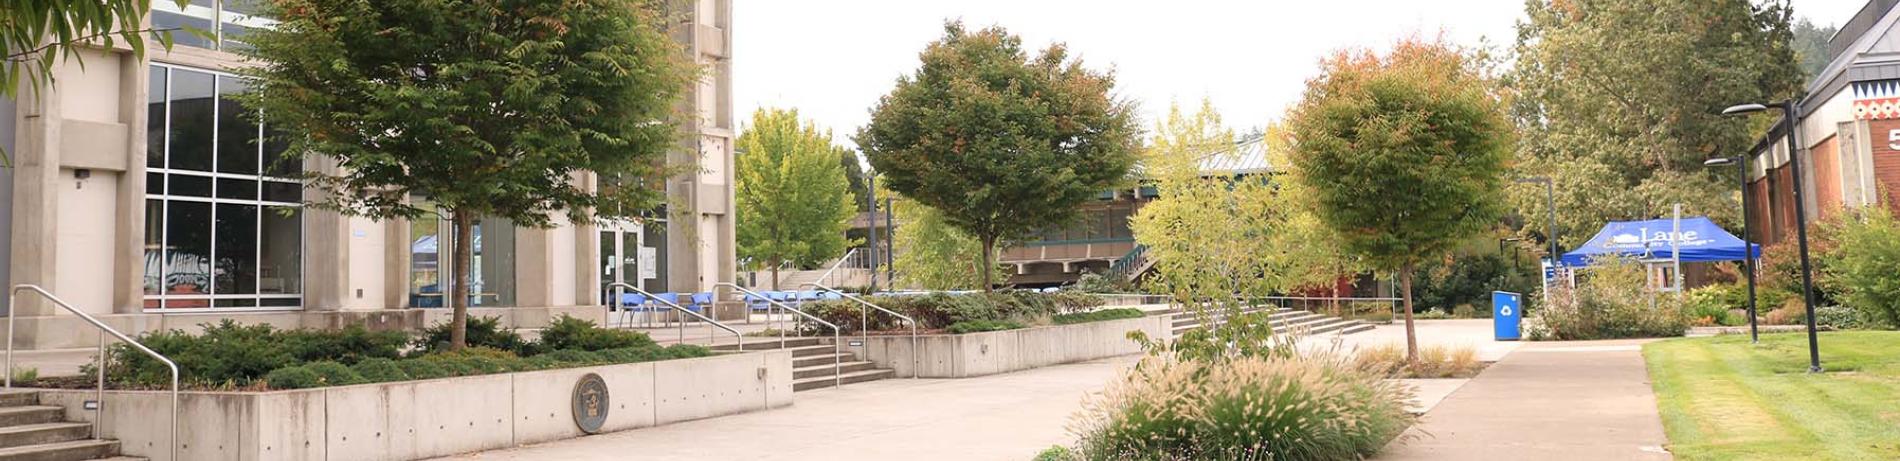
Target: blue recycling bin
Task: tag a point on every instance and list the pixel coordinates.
(1507, 311)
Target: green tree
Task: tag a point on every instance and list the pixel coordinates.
(1810, 45)
(1619, 103)
(1206, 228)
(1002, 143)
(483, 107)
(1861, 263)
(931, 253)
(1404, 154)
(794, 201)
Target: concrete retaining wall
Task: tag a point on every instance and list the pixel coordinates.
(431, 418)
(988, 353)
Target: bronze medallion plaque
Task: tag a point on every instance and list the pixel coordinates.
(590, 403)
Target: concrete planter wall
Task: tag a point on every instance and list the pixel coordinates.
(988, 353)
(431, 418)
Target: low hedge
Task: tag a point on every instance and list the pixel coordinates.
(1098, 316)
(978, 326)
(229, 355)
(941, 310)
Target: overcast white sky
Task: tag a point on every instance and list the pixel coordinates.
(832, 59)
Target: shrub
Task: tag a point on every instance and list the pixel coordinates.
(940, 310)
(1301, 406)
(379, 370)
(1790, 313)
(1435, 361)
(1056, 453)
(574, 356)
(573, 333)
(1097, 316)
(423, 369)
(978, 326)
(1458, 280)
(1467, 311)
(229, 354)
(1613, 303)
(684, 351)
(293, 378)
(482, 332)
(27, 375)
(1839, 318)
(334, 374)
(1864, 266)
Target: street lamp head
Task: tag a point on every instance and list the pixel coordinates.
(1719, 161)
(1744, 109)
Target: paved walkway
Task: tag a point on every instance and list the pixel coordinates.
(1009, 416)
(1548, 402)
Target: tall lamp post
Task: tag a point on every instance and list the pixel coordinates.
(1550, 229)
(1748, 262)
(1790, 114)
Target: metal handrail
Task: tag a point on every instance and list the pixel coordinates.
(864, 331)
(709, 321)
(837, 354)
(97, 410)
(834, 267)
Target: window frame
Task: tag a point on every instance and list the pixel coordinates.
(165, 197)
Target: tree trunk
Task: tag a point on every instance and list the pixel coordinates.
(989, 245)
(775, 263)
(458, 281)
(1335, 297)
(1411, 336)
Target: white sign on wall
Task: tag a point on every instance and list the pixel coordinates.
(648, 259)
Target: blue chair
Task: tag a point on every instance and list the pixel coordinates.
(808, 296)
(830, 295)
(757, 303)
(633, 301)
(699, 302)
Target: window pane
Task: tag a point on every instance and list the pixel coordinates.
(656, 242)
(155, 183)
(188, 249)
(276, 162)
(236, 253)
(188, 185)
(425, 263)
(163, 20)
(494, 263)
(192, 120)
(280, 302)
(237, 130)
(249, 302)
(287, 192)
(281, 268)
(154, 247)
(237, 189)
(155, 120)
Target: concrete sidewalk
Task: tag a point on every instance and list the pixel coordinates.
(1546, 401)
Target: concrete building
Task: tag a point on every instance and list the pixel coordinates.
(1849, 132)
(139, 195)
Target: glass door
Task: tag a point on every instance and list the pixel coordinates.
(619, 258)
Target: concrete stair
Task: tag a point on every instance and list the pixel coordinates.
(1282, 320)
(817, 364)
(30, 431)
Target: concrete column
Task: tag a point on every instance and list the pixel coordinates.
(396, 263)
(534, 282)
(586, 250)
(129, 250)
(326, 257)
(35, 202)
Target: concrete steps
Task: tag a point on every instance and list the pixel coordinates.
(33, 432)
(1282, 320)
(816, 363)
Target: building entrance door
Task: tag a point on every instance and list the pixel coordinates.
(620, 244)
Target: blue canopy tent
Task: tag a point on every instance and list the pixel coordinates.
(1701, 241)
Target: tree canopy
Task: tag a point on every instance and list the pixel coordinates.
(484, 108)
(1619, 102)
(794, 201)
(931, 254)
(1403, 154)
(33, 34)
(1208, 231)
(1002, 143)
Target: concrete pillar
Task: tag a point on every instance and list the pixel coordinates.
(35, 203)
(326, 257)
(129, 249)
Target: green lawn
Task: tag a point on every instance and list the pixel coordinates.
(1722, 398)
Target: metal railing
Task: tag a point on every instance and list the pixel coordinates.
(864, 329)
(825, 278)
(837, 353)
(710, 323)
(100, 398)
